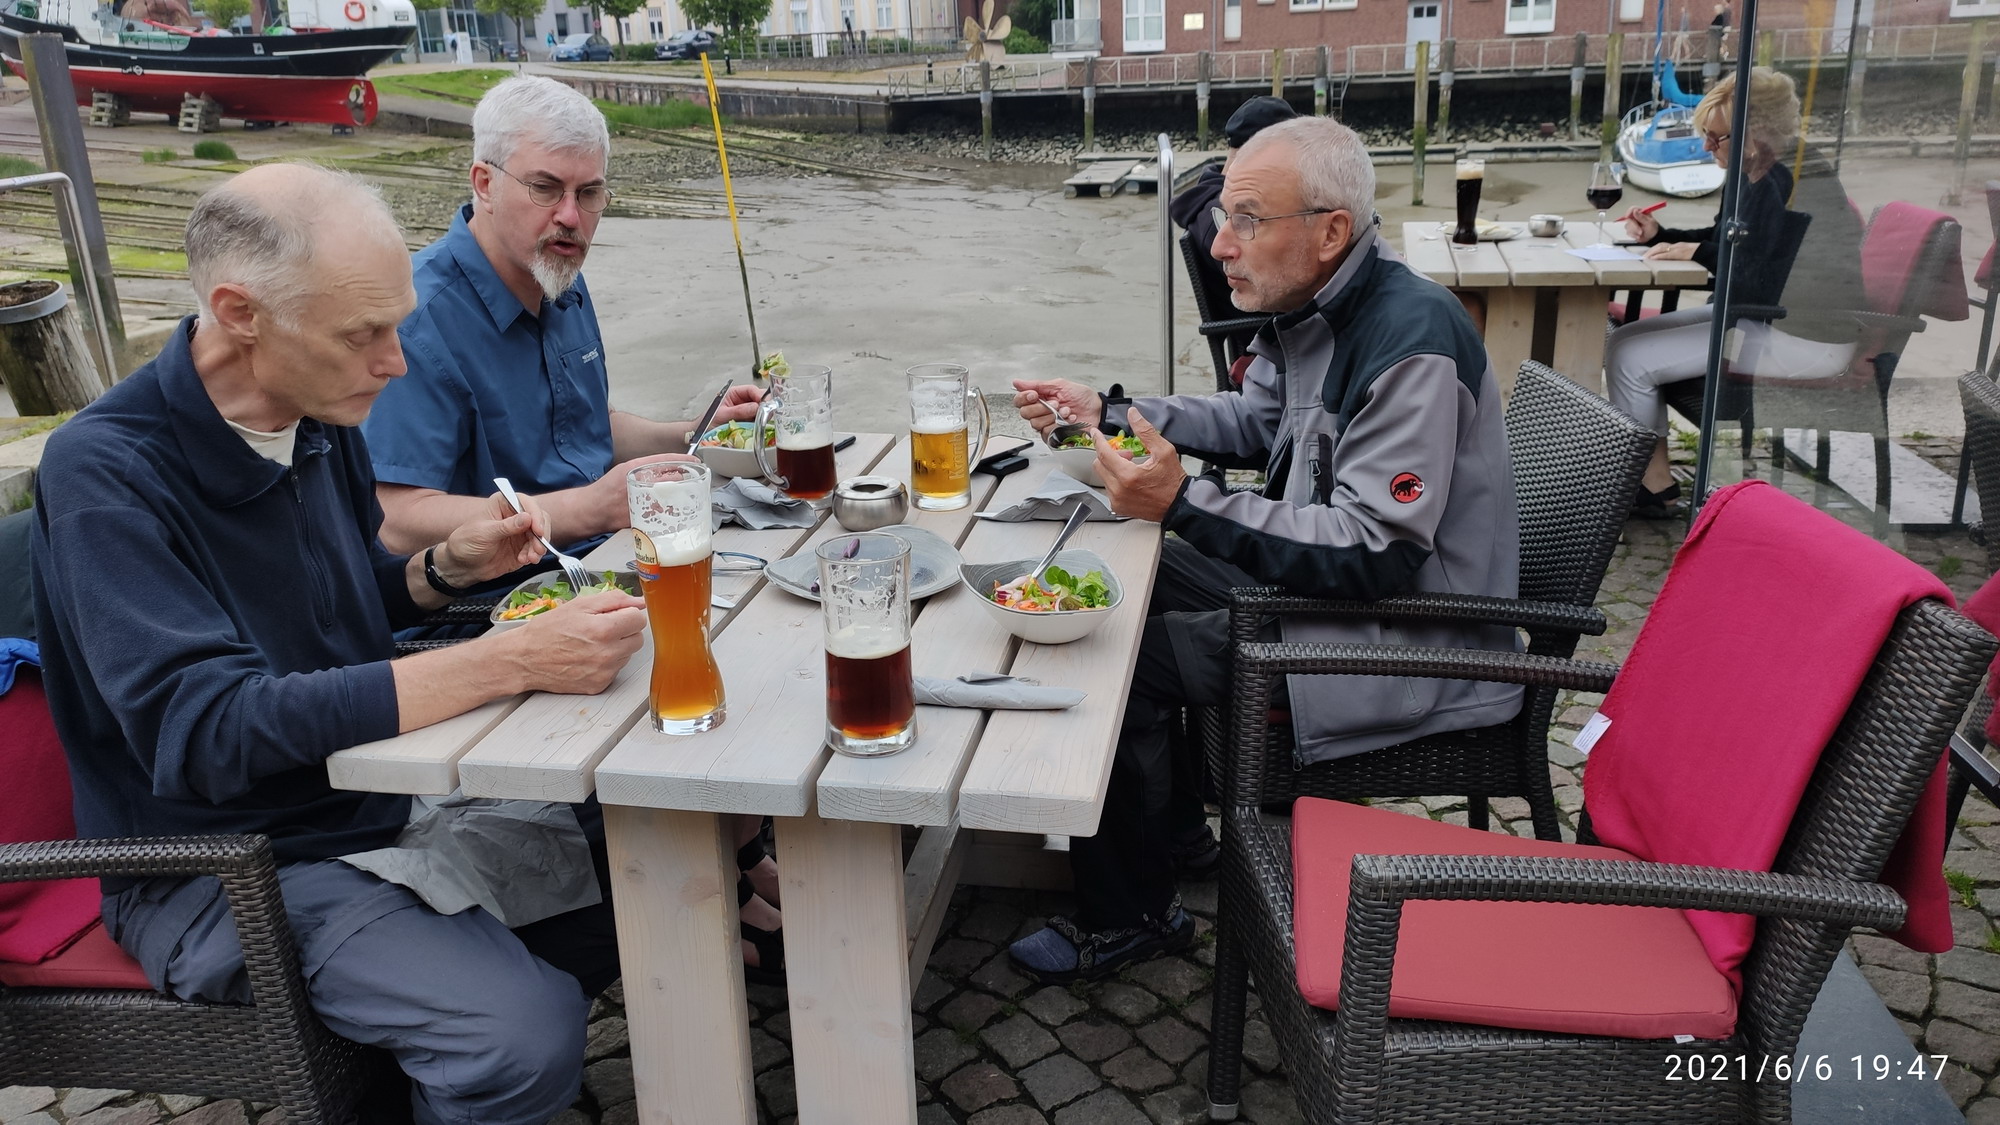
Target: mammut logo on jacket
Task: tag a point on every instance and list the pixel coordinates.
(1406, 488)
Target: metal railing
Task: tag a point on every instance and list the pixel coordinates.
(857, 43)
(106, 357)
(1516, 55)
(1076, 35)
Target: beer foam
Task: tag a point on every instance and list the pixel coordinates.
(816, 433)
(940, 425)
(1472, 169)
(674, 515)
(867, 641)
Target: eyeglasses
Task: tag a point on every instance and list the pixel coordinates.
(589, 197)
(1714, 140)
(1244, 227)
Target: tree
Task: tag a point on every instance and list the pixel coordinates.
(1034, 16)
(619, 9)
(519, 11)
(732, 16)
(225, 12)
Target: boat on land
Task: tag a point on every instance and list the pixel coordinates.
(1658, 142)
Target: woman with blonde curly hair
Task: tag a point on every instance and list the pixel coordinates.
(1641, 357)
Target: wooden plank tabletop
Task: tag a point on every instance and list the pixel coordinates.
(542, 746)
(1609, 274)
(1545, 261)
(767, 755)
(1429, 255)
(1478, 267)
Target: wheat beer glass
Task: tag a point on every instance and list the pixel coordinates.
(799, 406)
(671, 532)
(864, 599)
(1471, 178)
(942, 403)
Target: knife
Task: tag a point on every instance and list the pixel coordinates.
(707, 416)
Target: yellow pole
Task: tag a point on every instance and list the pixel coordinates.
(1818, 18)
(729, 194)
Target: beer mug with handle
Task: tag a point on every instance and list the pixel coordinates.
(942, 450)
(864, 599)
(799, 407)
(671, 532)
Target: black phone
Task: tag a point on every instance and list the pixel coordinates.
(1011, 458)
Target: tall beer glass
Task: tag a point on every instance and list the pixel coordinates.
(1471, 178)
(864, 598)
(942, 402)
(799, 406)
(671, 530)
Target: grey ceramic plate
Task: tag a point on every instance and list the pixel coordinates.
(933, 565)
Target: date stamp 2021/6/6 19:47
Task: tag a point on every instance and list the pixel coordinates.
(1802, 1068)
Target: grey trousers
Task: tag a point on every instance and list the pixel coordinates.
(489, 1032)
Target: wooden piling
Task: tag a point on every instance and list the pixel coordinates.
(1320, 82)
(1711, 61)
(1767, 45)
(1277, 72)
(1446, 51)
(1090, 104)
(1607, 138)
(986, 105)
(1968, 105)
(1419, 126)
(44, 360)
(1576, 72)
(1201, 64)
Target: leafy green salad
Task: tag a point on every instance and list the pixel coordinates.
(736, 435)
(1126, 442)
(1056, 590)
(528, 603)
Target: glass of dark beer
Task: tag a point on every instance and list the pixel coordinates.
(671, 535)
(1471, 178)
(864, 598)
(799, 408)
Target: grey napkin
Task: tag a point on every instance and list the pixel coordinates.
(990, 689)
(521, 860)
(1054, 501)
(757, 505)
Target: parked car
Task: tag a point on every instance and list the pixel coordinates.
(686, 45)
(512, 52)
(582, 47)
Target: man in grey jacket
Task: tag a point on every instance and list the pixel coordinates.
(1387, 472)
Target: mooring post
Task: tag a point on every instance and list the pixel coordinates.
(1614, 52)
(1320, 82)
(1968, 104)
(54, 99)
(1090, 104)
(1446, 52)
(1277, 72)
(1711, 63)
(1418, 124)
(1857, 74)
(1201, 64)
(1767, 45)
(1576, 86)
(986, 105)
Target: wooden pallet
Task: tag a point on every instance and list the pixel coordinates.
(1101, 178)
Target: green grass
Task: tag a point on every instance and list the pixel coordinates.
(213, 150)
(1963, 886)
(670, 115)
(1993, 941)
(443, 85)
(159, 156)
(1687, 439)
(41, 425)
(11, 166)
(1949, 566)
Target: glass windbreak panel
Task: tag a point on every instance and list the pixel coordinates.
(1853, 302)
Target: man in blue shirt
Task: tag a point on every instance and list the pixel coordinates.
(215, 614)
(507, 375)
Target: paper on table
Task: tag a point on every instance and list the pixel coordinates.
(1057, 497)
(1605, 254)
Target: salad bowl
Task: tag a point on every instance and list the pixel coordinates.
(726, 451)
(1081, 461)
(1044, 627)
(627, 580)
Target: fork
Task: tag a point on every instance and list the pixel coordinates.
(572, 569)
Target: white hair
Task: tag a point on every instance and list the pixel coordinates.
(531, 109)
(1333, 165)
(234, 238)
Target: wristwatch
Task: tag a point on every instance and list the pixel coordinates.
(436, 579)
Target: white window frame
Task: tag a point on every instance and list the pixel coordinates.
(1631, 11)
(1528, 24)
(885, 15)
(1229, 8)
(1962, 10)
(1306, 5)
(1143, 46)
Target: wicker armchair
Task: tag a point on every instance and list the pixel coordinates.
(1576, 463)
(273, 1050)
(1226, 336)
(1358, 1065)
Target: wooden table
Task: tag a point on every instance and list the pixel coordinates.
(858, 924)
(1542, 302)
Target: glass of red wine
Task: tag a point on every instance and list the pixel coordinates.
(1607, 187)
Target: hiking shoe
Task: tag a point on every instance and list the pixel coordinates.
(1061, 952)
(1196, 853)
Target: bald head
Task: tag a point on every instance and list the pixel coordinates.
(263, 230)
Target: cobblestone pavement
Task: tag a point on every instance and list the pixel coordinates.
(994, 1049)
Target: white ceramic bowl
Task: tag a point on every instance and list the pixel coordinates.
(1081, 464)
(1059, 627)
(628, 580)
(726, 462)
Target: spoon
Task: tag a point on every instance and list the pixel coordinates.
(1076, 519)
(1062, 431)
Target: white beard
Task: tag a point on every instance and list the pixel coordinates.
(555, 275)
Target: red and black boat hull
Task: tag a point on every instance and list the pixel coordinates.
(309, 78)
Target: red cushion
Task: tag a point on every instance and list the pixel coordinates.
(1616, 311)
(93, 960)
(1635, 972)
(37, 919)
(1892, 249)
